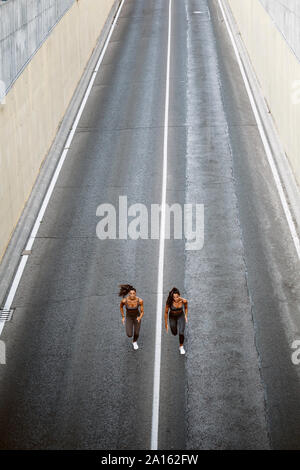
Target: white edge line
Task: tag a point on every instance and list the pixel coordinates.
(264, 138)
(159, 305)
(42, 210)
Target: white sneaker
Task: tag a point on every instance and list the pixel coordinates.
(182, 350)
(135, 345)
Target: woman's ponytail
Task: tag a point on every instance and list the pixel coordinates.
(124, 289)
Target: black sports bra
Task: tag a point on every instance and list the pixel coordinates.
(176, 309)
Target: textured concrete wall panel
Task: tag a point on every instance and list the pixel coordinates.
(24, 26)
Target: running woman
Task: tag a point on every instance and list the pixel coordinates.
(133, 314)
(177, 317)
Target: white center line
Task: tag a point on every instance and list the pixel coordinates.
(160, 282)
(43, 208)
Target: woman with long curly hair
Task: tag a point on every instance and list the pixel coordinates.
(177, 317)
(133, 314)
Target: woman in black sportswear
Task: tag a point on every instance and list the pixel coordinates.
(177, 317)
(133, 314)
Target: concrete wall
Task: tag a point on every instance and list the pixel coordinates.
(37, 101)
(24, 26)
(273, 47)
(286, 17)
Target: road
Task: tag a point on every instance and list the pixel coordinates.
(72, 379)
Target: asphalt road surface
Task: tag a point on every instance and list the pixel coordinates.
(72, 379)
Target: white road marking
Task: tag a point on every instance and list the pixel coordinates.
(199, 12)
(268, 151)
(43, 208)
(160, 282)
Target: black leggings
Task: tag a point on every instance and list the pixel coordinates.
(132, 325)
(177, 321)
